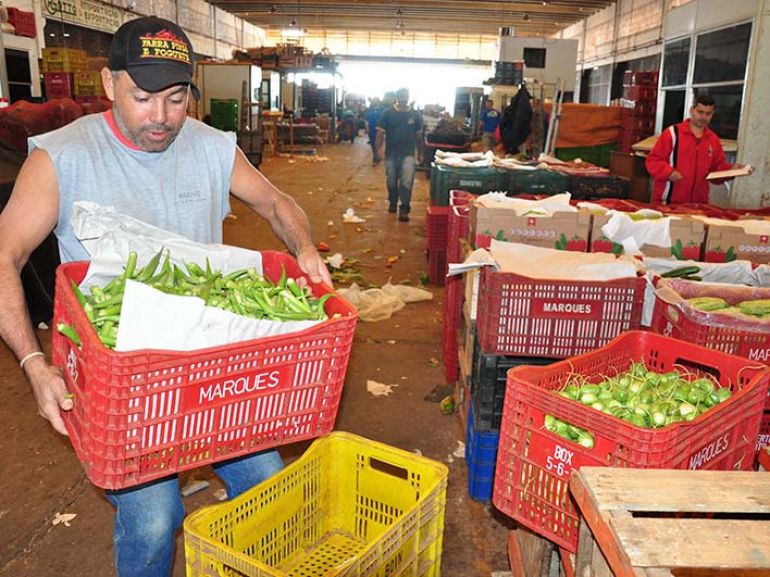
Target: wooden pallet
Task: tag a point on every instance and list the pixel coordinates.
(530, 555)
(657, 523)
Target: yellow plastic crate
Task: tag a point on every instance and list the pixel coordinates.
(348, 506)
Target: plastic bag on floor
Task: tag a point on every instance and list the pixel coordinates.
(379, 304)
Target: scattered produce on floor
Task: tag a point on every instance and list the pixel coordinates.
(244, 292)
(641, 397)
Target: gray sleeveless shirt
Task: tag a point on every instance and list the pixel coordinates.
(184, 189)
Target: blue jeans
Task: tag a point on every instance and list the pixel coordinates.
(148, 516)
(399, 177)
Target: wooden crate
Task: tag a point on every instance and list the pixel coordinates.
(530, 555)
(660, 523)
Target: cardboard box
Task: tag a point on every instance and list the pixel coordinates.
(728, 243)
(563, 230)
(471, 295)
(686, 240)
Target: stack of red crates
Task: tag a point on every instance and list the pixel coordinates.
(453, 294)
(58, 85)
(640, 96)
(22, 22)
(437, 226)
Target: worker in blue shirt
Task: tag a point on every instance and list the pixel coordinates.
(373, 114)
(488, 121)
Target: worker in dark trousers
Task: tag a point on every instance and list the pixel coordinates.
(398, 128)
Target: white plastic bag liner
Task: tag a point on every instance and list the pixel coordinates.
(551, 264)
(633, 234)
(109, 236)
(150, 318)
(464, 159)
(544, 207)
(737, 272)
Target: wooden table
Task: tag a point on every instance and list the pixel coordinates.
(658, 523)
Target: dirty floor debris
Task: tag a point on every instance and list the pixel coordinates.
(42, 476)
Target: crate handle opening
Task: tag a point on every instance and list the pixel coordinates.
(388, 468)
(699, 368)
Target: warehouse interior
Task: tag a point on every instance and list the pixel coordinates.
(295, 82)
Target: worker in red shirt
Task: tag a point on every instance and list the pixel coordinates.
(684, 155)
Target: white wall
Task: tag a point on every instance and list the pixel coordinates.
(560, 57)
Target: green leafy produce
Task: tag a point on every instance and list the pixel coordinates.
(641, 397)
(244, 292)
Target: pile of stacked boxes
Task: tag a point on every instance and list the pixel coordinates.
(482, 340)
(640, 96)
(71, 73)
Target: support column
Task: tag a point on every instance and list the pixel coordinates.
(754, 191)
(3, 72)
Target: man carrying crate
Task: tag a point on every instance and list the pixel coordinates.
(148, 160)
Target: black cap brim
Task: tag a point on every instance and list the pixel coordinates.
(157, 77)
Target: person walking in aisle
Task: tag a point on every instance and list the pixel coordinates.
(373, 114)
(399, 128)
(149, 161)
(685, 154)
(488, 121)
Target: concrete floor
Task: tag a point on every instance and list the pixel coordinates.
(42, 477)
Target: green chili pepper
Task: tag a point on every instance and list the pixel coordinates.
(67, 331)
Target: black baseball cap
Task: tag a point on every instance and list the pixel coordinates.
(155, 52)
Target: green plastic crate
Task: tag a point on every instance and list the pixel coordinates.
(476, 180)
(536, 182)
(224, 113)
(598, 155)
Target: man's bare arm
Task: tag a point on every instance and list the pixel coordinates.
(29, 217)
(287, 219)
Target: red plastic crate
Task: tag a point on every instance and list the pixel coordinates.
(58, 85)
(534, 465)
(627, 138)
(644, 108)
(436, 225)
(763, 439)
(23, 22)
(437, 267)
(640, 92)
(453, 302)
(763, 456)
(691, 326)
(146, 414)
(457, 229)
(460, 198)
(636, 122)
(528, 317)
(632, 78)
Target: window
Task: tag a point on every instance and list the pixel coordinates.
(598, 85)
(718, 67)
(534, 57)
(721, 56)
(19, 76)
(673, 107)
(727, 114)
(676, 56)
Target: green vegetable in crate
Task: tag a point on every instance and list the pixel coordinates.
(708, 304)
(641, 397)
(755, 308)
(682, 272)
(243, 292)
